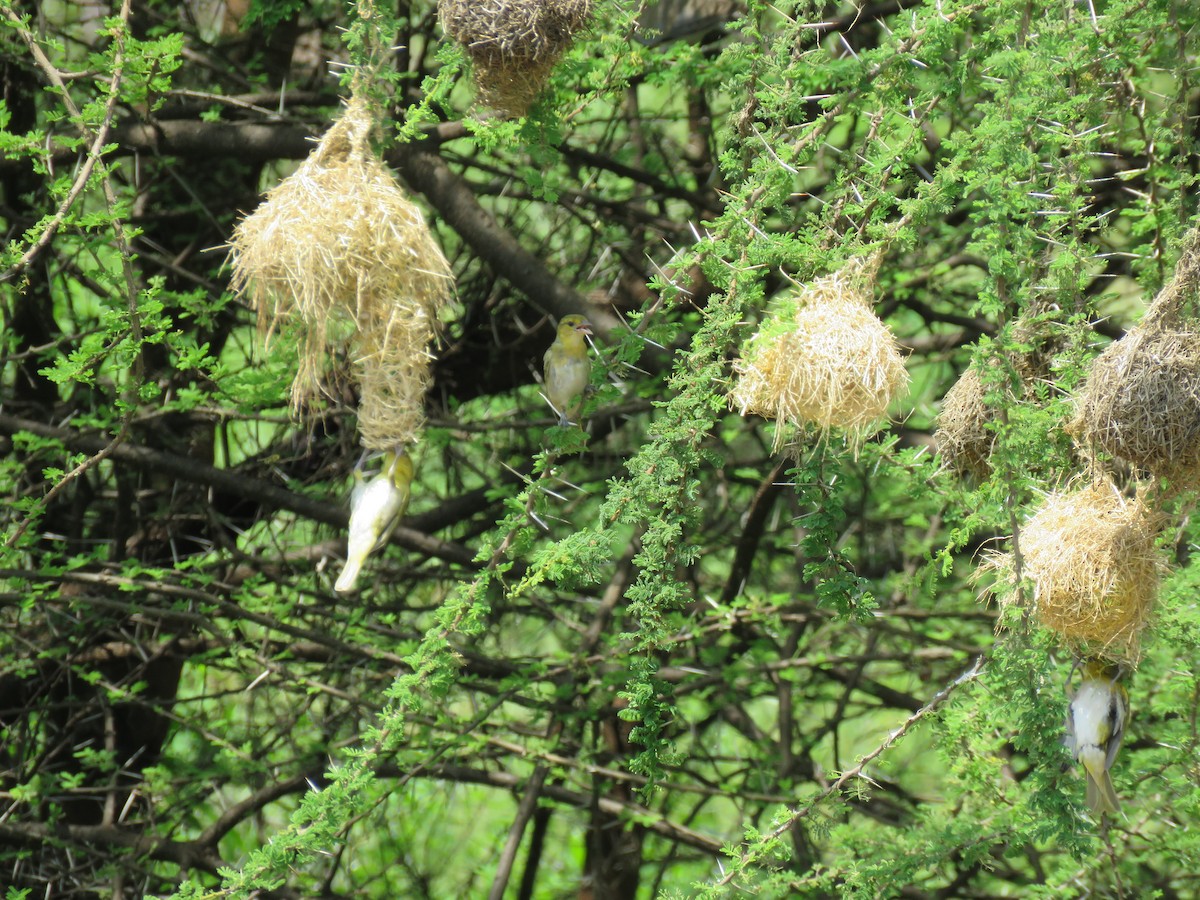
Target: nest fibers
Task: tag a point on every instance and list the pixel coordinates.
(513, 44)
(966, 429)
(964, 438)
(1091, 556)
(966, 432)
(338, 248)
(392, 386)
(824, 359)
(1141, 403)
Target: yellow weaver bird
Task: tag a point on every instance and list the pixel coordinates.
(375, 508)
(1095, 728)
(566, 367)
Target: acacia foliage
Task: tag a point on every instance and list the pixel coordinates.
(658, 658)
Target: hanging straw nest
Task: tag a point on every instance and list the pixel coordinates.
(513, 44)
(1141, 403)
(1091, 556)
(1038, 341)
(340, 250)
(824, 359)
(1141, 400)
(964, 438)
(965, 433)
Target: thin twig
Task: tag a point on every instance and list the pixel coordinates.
(525, 810)
(100, 138)
(803, 812)
(126, 253)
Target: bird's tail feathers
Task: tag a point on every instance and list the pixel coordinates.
(1101, 797)
(349, 578)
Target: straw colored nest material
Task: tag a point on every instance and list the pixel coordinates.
(827, 359)
(338, 249)
(507, 86)
(1040, 341)
(513, 44)
(1141, 403)
(1091, 556)
(393, 379)
(528, 29)
(963, 437)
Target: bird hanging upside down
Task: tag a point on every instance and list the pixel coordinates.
(375, 508)
(1095, 728)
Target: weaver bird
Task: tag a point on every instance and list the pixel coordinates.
(566, 366)
(1095, 728)
(376, 505)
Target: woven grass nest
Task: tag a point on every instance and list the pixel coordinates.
(338, 251)
(1091, 556)
(824, 359)
(513, 44)
(1141, 400)
(963, 437)
(965, 434)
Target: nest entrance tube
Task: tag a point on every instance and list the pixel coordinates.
(338, 249)
(824, 359)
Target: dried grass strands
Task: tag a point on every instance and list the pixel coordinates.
(339, 247)
(391, 405)
(965, 434)
(1141, 400)
(533, 29)
(1091, 556)
(825, 359)
(394, 370)
(509, 86)
(1141, 403)
(963, 437)
(513, 44)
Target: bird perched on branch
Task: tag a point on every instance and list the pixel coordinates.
(1095, 728)
(566, 366)
(376, 505)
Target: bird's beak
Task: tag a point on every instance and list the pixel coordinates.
(584, 328)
